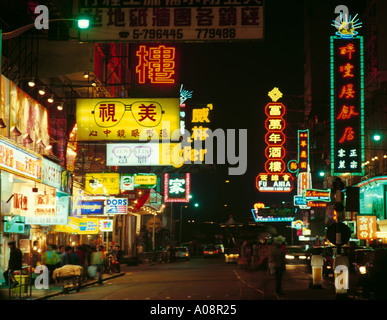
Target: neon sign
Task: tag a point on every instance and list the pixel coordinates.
(317, 195)
(275, 179)
(177, 187)
(347, 101)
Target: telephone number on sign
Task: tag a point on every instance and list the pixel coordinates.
(157, 34)
(226, 33)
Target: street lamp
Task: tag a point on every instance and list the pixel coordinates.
(196, 205)
(376, 137)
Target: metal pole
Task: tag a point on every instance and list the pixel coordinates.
(181, 221)
(153, 232)
(171, 226)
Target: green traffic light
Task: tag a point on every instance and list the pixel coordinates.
(83, 23)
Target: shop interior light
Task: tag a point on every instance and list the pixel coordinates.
(51, 99)
(15, 131)
(41, 143)
(93, 83)
(2, 124)
(42, 91)
(60, 106)
(86, 75)
(32, 83)
(27, 138)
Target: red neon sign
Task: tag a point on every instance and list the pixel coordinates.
(156, 64)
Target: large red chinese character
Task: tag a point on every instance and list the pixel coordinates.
(346, 70)
(347, 91)
(347, 112)
(156, 64)
(147, 112)
(348, 49)
(107, 113)
(348, 135)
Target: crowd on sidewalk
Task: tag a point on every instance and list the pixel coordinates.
(93, 260)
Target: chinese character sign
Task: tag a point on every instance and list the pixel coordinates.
(347, 105)
(366, 227)
(185, 21)
(275, 178)
(127, 119)
(177, 187)
(156, 70)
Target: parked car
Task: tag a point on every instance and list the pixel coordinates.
(296, 254)
(210, 250)
(182, 253)
(361, 261)
(231, 256)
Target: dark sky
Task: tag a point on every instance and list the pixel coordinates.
(236, 78)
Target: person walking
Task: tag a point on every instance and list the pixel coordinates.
(50, 259)
(69, 257)
(279, 264)
(97, 259)
(15, 263)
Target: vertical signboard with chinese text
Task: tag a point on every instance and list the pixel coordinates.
(347, 105)
(366, 227)
(275, 179)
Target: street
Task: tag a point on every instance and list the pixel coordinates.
(202, 279)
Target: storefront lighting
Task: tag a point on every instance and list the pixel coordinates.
(60, 106)
(42, 91)
(93, 83)
(27, 138)
(15, 131)
(51, 99)
(2, 124)
(86, 75)
(41, 143)
(31, 83)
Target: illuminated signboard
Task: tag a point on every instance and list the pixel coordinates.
(301, 166)
(92, 207)
(347, 104)
(102, 183)
(156, 70)
(80, 226)
(125, 119)
(142, 154)
(117, 206)
(366, 227)
(21, 162)
(275, 179)
(162, 20)
(105, 225)
(317, 195)
(177, 187)
(258, 218)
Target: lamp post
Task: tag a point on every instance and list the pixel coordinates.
(196, 205)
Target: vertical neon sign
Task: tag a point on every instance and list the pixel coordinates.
(275, 179)
(347, 103)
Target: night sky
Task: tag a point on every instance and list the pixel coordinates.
(236, 78)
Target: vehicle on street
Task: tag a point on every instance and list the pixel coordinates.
(231, 256)
(182, 253)
(210, 250)
(296, 254)
(361, 261)
(327, 252)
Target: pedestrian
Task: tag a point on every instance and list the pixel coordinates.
(279, 264)
(118, 253)
(69, 257)
(15, 263)
(97, 259)
(140, 251)
(59, 254)
(81, 254)
(50, 259)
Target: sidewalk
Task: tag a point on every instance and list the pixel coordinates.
(54, 289)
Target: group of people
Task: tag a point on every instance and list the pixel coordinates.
(56, 257)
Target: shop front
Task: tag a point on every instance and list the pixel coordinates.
(373, 202)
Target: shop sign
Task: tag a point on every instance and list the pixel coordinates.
(66, 184)
(127, 182)
(298, 224)
(275, 178)
(21, 162)
(347, 105)
(14, 224)
(49, 210)
(142, 154)
(166, 21)
(106, 225)
(258, 218)
(117, 206)
(145, 181)
(317, 195)
(127, 119)
(92, 207)
(80, 226)
(52, 174)
(177, 187)
(366, 227)
(102, 183)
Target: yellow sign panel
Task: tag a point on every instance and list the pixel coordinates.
(102, 183)
(126, 119)
(141, 179)
(80, 226)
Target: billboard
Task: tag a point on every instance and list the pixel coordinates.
(126, 119)
(102, 183)
(347, 105)
(161, 20)
(177, 187)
